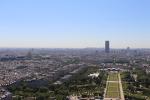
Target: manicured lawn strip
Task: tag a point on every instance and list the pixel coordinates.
(112, 95)
(113, 84)
(113, 77)
(113, 90)
(113, 87)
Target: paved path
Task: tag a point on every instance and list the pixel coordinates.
(121, 89)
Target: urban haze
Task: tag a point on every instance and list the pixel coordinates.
(74, 50)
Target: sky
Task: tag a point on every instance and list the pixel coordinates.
(74, 23)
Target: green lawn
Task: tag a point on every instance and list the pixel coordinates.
(113, 90)
(113, 77)
(113, 84)
(112, 95)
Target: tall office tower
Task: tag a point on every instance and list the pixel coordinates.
(107, 49)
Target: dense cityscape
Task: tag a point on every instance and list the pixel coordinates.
(75, 74)
(74, 50)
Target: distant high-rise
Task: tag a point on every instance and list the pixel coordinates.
(107, 49)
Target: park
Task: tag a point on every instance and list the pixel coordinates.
(113, 89)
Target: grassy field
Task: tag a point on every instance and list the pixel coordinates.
(112, 95)
(113, 90)
(113, 77)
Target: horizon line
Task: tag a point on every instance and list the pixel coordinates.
(66, 48)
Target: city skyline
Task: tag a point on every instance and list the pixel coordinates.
(74, 24)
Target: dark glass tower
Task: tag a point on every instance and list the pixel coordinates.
(107, 49)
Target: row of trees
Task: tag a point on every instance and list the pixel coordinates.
(136, 84)
(80, 84)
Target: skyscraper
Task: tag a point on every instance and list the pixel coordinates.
(107, 49)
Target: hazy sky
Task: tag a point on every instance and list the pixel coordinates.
(74, 23)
